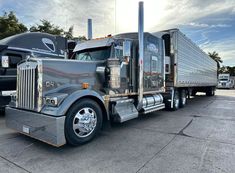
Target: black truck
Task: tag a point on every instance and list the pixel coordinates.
(16, 48)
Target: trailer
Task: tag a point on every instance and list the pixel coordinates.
(113, 79)
(16, 48)
(188, 69)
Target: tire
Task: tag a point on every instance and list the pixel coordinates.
(2, 110)
(194, 93)
(176, 101)
(183, 99)
(77, 132)
(210, 92)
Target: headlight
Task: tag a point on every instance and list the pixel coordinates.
(5, 61)
(54, 99)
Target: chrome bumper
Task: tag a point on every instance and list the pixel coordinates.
(42, 127)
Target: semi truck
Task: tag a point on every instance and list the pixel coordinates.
(225, 81)
(16, 48)
(113, 79)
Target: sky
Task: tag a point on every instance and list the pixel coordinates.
(208, 23)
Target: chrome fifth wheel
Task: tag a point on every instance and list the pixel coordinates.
(83, 122)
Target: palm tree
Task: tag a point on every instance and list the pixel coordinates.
(215, 56)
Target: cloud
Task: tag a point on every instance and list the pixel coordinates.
(67, 13)
(182, 12)
(158, 14)
(204, 21)
(204, 25)
(224, 47)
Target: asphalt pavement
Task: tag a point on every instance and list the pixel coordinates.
(197, 138)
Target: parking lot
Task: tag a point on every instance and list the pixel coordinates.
(197, 138)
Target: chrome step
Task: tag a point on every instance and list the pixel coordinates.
(153, 108)
(125, 110)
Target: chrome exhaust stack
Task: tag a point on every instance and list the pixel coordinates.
(141, 53)
(89, 29)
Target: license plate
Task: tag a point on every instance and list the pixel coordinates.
(26, 129)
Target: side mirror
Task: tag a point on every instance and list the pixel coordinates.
(126, 48)
(5, 61)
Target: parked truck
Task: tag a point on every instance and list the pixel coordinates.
(16, 48)
(225, 81)
(110, 79)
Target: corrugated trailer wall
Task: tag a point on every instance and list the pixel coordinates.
(193, 66)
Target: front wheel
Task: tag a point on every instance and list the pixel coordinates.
(83, 122)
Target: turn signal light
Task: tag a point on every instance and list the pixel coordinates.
(85, 85)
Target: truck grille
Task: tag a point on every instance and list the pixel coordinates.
(26, 85)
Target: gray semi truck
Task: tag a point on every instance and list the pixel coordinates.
(16, 48)
(110, 79)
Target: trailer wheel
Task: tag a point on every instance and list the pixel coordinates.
(83, 122)
(210, 92)
(194, 93)
(2, 111)
(176, 101)
(183, 99)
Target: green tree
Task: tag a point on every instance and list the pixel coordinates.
(80, 38)
(231, 70)
(215, 56)
(69, 33)
(223, 69)
(47, 27)
(10, 25)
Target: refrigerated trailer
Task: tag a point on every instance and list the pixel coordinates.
(110, 79)
(188, 69)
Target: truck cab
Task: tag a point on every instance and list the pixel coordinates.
(225, 81)
(61, 101)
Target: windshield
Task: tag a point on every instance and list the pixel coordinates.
(95, 54)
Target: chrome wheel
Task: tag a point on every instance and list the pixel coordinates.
(176, 102)
(84, 122)
(183, 98)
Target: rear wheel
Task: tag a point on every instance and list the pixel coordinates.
(194, 93)
(183, 99)
(176, 101)
(210, 92)
(2, 110)
(83, 122)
